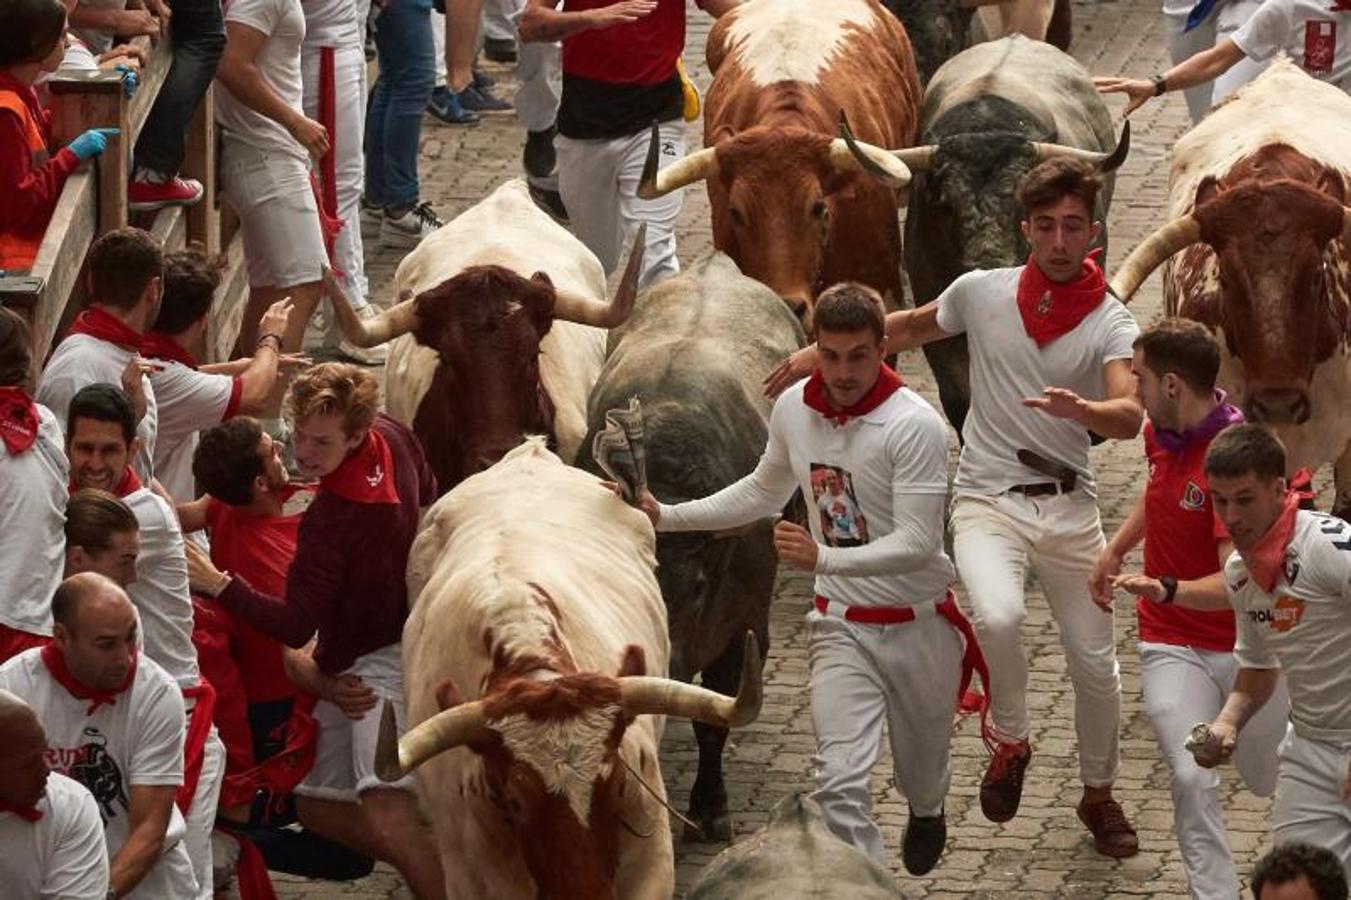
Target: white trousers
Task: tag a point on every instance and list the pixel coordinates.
(1183, 686)
(995, 539)
(540, 71)
(862, 676)
(1221, 24)
(201, 817)
(499, 18)
(1309, 804)
(598, 180)
(349, 163)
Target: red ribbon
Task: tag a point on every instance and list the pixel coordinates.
(814, 395)
(1049, 309)
(55, 661)
(367, 476)
(103, 325)
(973, 661)
(18, 419)
(27, 813)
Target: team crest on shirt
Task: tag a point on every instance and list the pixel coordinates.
(1193, 498)
(1284, 615)
(377, 475)
(1044, 304)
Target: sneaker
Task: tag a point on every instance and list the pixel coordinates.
(445, 107)
(500, 50)
(923, 842)
(372, 218)
(1001, 790)
(1112, 834)
(538, 157)
(337, 345)
(483, 82)
(151, 190)
(409, 227)
(549, 201)
(477, 101)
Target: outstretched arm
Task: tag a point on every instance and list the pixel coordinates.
(1205, 66)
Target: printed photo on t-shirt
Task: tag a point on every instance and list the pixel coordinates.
(842, 521)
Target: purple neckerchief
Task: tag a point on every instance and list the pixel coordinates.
(1218, 419)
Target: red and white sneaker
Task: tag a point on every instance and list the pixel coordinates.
(149, 190)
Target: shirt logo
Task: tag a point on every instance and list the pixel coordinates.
(1193, 498)
(1281, 617)
(1044, 304)
(1320, 46)
(377, 475)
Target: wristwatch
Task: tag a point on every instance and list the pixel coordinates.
(1169, 588)
(1160, 84)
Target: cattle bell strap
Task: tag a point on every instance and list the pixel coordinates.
(194, 744)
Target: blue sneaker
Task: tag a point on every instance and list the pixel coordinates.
(483, 82)
(476, 101)
(446, 107)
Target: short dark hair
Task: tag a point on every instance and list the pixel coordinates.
(92, 516)
(1287, 862)
(102, 402)
(121, 264)
(16, 349)
(1243, 449)
(1058, 177)
(32, 28)
(190, 281)
(1184, 348)
(850, 306)
(226, 460)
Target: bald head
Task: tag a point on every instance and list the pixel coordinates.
(23, 771)
(95, 629)
(88, 591)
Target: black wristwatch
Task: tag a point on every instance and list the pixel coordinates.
(1169, 588)
(1160, 85)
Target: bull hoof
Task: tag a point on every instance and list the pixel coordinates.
(715, 829)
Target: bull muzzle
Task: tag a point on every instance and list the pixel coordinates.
(1278, 406)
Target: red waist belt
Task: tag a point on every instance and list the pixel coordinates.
(194, 743)
(973, 660)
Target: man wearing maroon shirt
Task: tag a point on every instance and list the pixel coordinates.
(346, 583)
(1186, 623)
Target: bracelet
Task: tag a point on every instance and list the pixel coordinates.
(1160, 85)
(270, 336)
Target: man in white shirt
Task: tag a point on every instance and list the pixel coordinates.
(1315, 34)
(1025, 494)
(126, 267)
(884, 619)
(99, 444)
(51, 836)
(114, 723)
(1289, 581)
(33, 476)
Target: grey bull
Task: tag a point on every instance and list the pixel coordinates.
(694, 352)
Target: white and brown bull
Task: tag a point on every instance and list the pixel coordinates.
(499, 333)
(789, 203)
(534, 725)
(1258, 213)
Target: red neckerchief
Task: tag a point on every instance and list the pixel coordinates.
(814, 395)
(27, 813)
(55, 661)
(1050, 309)
(127, 485)
(1267, 558)
(1340, 6)
(158, 345)
(367, 476)
(18, 419)
(99, 323)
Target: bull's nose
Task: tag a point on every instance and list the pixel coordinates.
(1279, 406)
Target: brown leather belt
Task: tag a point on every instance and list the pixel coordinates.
(1065, 477)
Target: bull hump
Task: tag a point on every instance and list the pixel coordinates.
(793, 40)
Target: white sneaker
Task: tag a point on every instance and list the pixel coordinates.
(410, 228)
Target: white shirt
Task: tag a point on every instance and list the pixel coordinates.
(1318, 41)
(893, 461)
(278, 61)
(160, 591)
(1303, 626)
(136, 741)
(33, 492)
(330, 23)
(189, 401)
(61, 856)
(1007, 366)
(81, 360)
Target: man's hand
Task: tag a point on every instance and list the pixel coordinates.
(1137, 89)
(797, 366)
(160, 9)
(1141, 586)
(796, 546)
(292, 361)
(311, 135)
(132, 22)
(1219, 748)
(133, 384)
(349, 694)
(203, 576)
(275, 318)
(1105, 570)
(647, 504)
(621, 13)
(1059, 402)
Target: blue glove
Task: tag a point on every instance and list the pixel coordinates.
(92, 142)
(129, 79)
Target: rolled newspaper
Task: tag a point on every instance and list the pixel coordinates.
(1203, 743)
(619, 450)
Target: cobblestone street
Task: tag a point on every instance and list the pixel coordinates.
(1044, 851)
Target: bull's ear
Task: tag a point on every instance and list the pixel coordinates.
(634, 662)
(448, 695)
(1330, 182)
(1207, 190)
(543, 278)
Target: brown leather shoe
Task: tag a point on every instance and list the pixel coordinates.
(1001, 790)
(1112, 835)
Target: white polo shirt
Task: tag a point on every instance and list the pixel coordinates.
(189, 401)
(1304, 625)
(61, 856)
(278, 61)
(81, 360)
(1316, 39)
(160, 591)
(33, 493)
(138, 740)
(1007, 366)
(891, 462)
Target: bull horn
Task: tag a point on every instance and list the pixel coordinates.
(395, 757)
(1105, 162)
(886, 166)
(694, 167)
(575, 308)
(399, 319)
(641, 695)
(1178, 234)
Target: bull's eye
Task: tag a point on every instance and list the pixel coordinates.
(819, 209)
(738, 217)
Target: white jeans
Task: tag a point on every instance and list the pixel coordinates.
(994, 541)
(1183, 686)
(1220, 24)
(599, 183)
(1309, 804)
(540, 71)
(201, 817)
(499, 18)
(905, 675)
